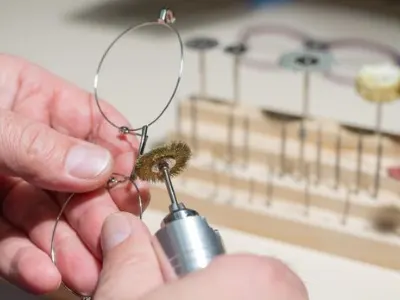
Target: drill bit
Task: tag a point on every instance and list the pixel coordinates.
(283, 148)
(236, 79)
(179, 120)
(318, 158)
(237, 52)
(231, 185)
(378, 129)
(338, 158)
(203, 74)
(307, 198)
(231, 126)
(193, 119)
(360, 149)
(309, 61)
(231, 118)
(246, 142)
(202, 45)
(379, 84)
(283, 120)
(360, 133)
(270, 186)
(346, 207)
(305, 113)
(251, 189)
(163, 166)
(215, 177)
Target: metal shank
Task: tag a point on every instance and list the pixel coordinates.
(189, 243)
(168, 184)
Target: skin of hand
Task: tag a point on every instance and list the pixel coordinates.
(54, 141)
(133, 269)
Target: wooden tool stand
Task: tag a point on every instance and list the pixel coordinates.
(298, 204)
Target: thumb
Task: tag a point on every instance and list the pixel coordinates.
(130, 265)
(49, 159)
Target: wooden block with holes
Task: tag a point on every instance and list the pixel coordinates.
(340, 220)
(265, 146)
(270, 122)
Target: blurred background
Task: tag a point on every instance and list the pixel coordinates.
(69, 37)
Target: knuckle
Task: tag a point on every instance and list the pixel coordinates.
(26, 145)
(9, 140)
(35, 143)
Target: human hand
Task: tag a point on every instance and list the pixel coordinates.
(133, 269)
(45, 124)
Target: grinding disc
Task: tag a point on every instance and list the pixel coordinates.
(379, 83)
(176, 155)
(307, 61)
(236, 50)
(202, 43)
(280, 117)
(358, 130)
(315, 45)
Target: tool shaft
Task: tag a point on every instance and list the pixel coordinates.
(307, 199)
(203, 74)
(231, 126)
(283, 148)
(338, 158)
(346, 208)
(379, 153)
(305, 113)
(169, 186)
(179, 119)
(270, 186)
(318, 158)
(193, 114)
(246, 141)
(251, 189)
(360, 149)
(236, 79)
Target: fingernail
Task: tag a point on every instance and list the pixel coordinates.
(116, 229)
(87, 161)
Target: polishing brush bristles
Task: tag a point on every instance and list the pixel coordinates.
(147, 165)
